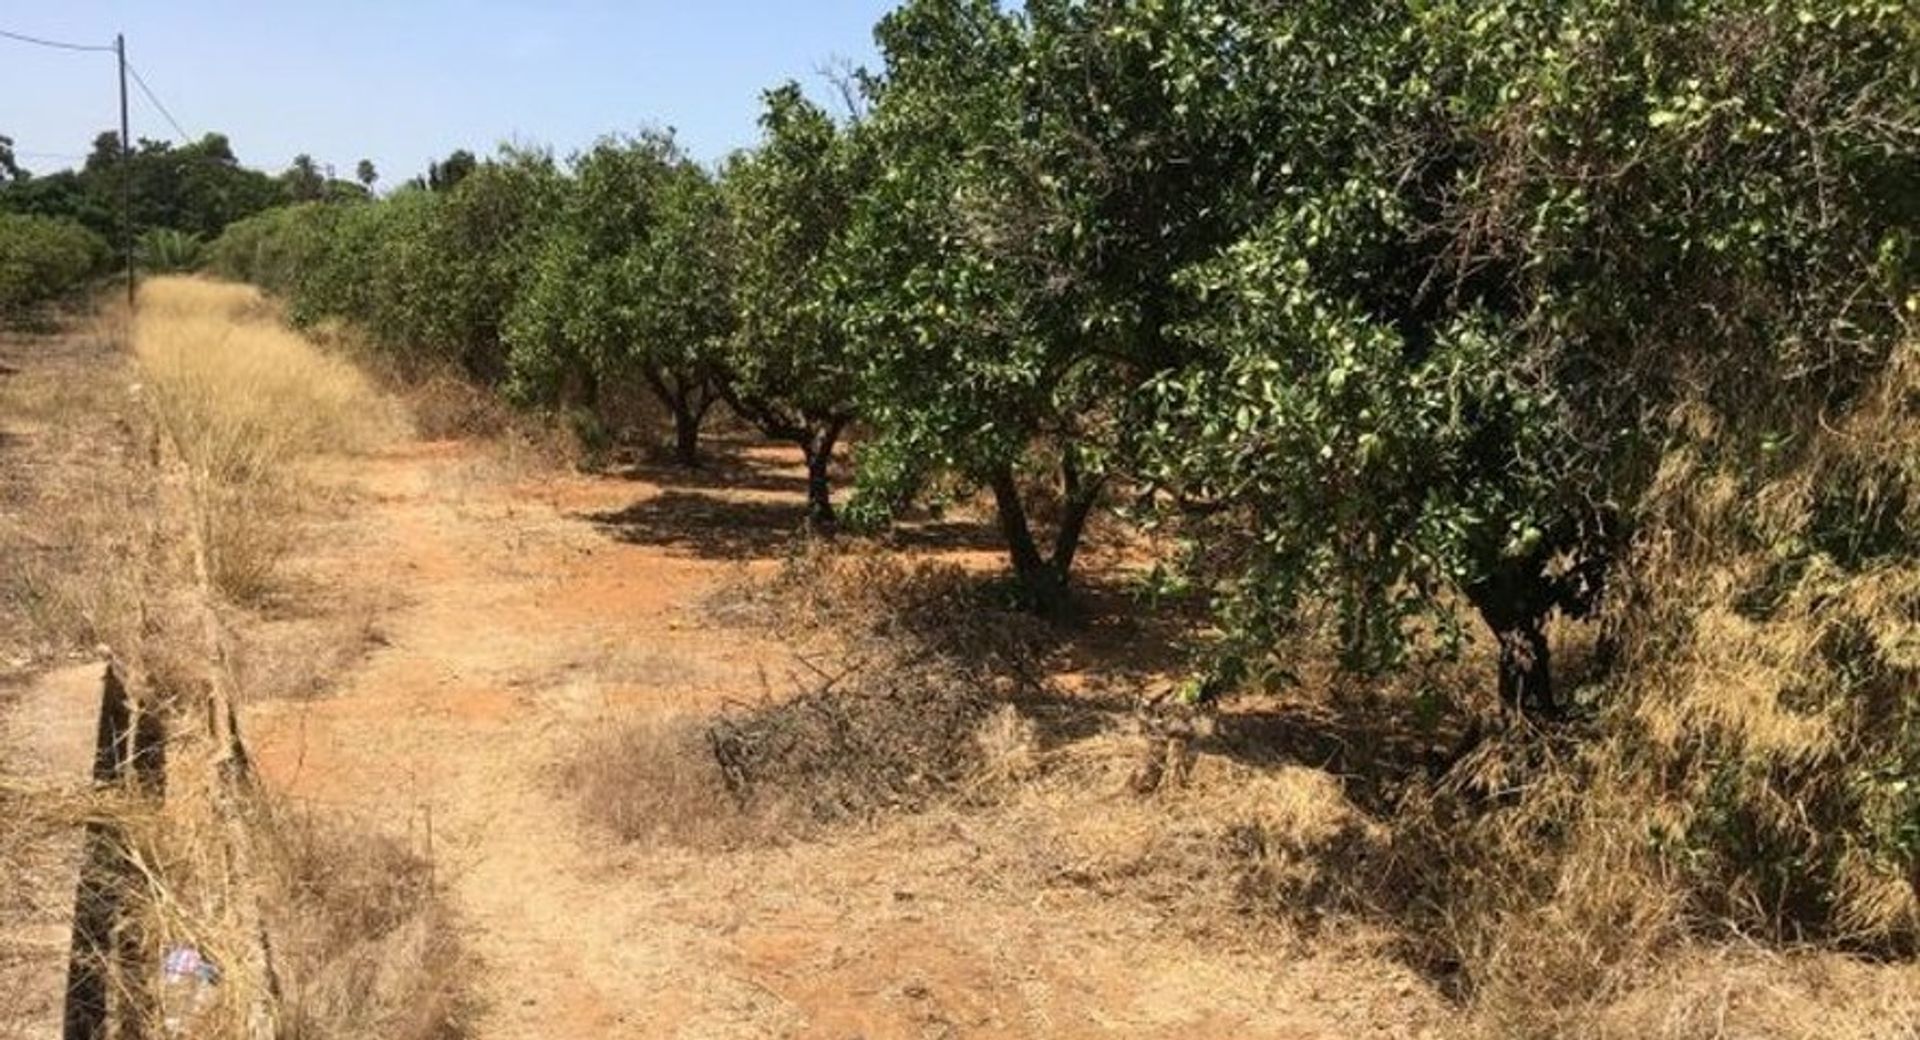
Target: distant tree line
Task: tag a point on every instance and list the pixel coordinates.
(177, 197)
(198, 187)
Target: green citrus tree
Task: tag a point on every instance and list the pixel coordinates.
(1045, 175)
(473, 258)
(629, 285)
(1513, 243)
(787, 368)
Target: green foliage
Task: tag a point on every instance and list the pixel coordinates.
(447, 174)
(477, 257)
(302, 181)
(166, 251)
(64, 196)
(929, 314)
(789, 201)
(1510, 240)
(42, 258)
(432, 274)
(273, 249)
(789, 366)
(427, 274)
(1046, 176)
(197, 188)
(628, 285)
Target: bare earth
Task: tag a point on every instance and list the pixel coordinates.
(504, 624)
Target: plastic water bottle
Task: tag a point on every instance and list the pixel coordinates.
(187, 988)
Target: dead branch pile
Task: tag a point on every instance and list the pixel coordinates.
(891, 735)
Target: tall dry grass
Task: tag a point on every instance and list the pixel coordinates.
(367, 947)
(135, 506)
(75, 533)
(1751, 778)
(247, 402)
(1772, 656)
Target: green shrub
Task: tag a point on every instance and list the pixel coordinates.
(272, 249)
(42, 258)
(167, 251)
(427, 274)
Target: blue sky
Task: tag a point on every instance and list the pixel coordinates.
(406, 81)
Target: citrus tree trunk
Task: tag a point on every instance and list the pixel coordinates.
(688, 397)
(817, 445)
(1046, 580)
(1514, 602)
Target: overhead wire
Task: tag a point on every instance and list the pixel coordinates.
(148, 91)
(64, 45)
(61, 44)
(139, 80)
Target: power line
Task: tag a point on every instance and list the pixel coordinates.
(148, 91)
(61, 44)
(135, 73)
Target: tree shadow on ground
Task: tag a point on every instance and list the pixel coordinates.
(726, 464)
(943, 535)
(1118, 643)
(695, 497)
(716, 527)
(1374, 745)
(707, 526)
(1109, 644)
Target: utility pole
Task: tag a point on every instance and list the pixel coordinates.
(126, 167)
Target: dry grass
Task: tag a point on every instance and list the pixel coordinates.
(361, 945)
(445, 403)
(1730, 994)
(655, 781)
(367, 948)
(102, 563)
(1771, 636)
(302, 654)
(1227, 852)
(247, 402)
(853, 590)
(847, 586)
(1749, 775)
(103, 527)
(76, 527)
(364, 945)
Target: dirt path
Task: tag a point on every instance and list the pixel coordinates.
(517, 624)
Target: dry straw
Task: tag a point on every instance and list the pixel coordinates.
(247, 402)
(212, 505)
